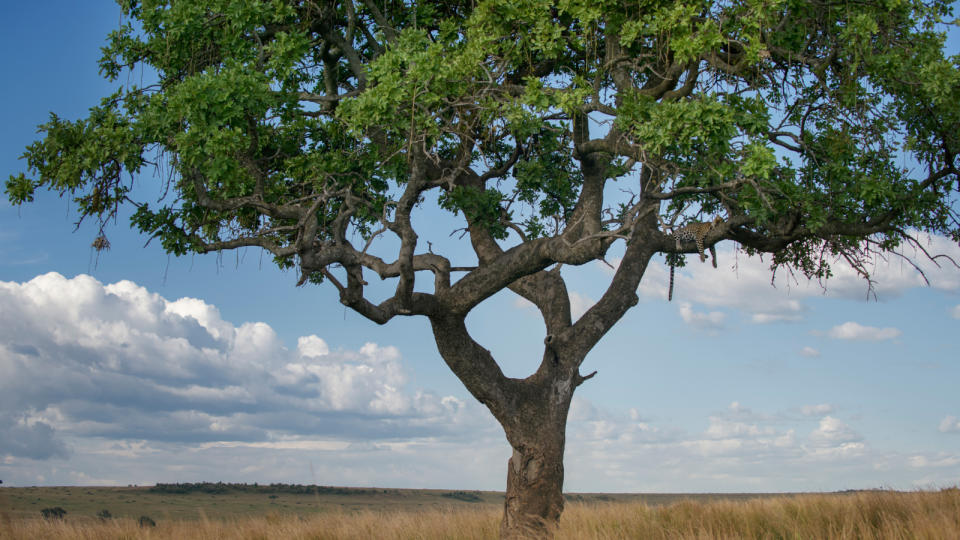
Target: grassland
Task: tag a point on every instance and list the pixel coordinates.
(229, 501)
(409, 514)
(133, 502)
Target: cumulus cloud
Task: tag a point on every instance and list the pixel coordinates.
(83, 359)
(745, 283)
(936, 461)
(956, 311)
(816, 410)
(765, 318)
(950, 424)
(706, 321)
(832, 431)
(738, 449)
(736, 283)
(809, 352)
(115, 376)
(312, 346)
(855, 331)
(724, 428)
(29, 437)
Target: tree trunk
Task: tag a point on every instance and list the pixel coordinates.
(535, 485)
(536, 430)
(533, 414)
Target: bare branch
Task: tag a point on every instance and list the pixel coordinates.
(326, 99)
(389, 31)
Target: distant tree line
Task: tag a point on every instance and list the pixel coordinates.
(465, 496)
(217, 488)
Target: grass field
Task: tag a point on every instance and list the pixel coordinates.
(428, 514)
(133, 502)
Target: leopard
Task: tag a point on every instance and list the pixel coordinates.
(696, 232)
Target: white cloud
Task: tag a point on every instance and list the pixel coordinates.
(833, 432)
(950, 424)
(723, 428)
(855, 331)
(739, 282)
(738, 449)
(579, 304)
(707, 321)
(82, 359)
(816, 410)
(312, 346)
(809, 352)
(115, 375)
(745, 283)
(893, 274)
(848, 450)
(956, 311)
(832, 441)
(766, 318)
(936, 461)
(206, 315)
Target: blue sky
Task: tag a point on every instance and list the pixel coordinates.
(136, 367)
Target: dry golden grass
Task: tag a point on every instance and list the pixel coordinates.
(864, 515)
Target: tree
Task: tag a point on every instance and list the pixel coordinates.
(559, 132)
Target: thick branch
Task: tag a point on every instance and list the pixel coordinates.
(474, 366)
(255, 241)
(620, 296)
(235, 203)
(389, 31)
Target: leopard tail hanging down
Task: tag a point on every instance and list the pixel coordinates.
(673, 268)
(670, 290)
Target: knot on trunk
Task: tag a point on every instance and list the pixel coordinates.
(528, 467)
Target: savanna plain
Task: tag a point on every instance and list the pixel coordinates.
(222, 511)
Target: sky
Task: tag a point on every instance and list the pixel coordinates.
(134, 367)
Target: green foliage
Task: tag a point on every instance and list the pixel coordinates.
(482, 207)
(294, 125)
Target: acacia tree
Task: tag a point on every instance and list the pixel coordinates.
(557, 131)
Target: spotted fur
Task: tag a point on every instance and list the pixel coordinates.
(694, 232)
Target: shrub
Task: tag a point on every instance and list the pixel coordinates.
(145, 521)
(53, 513)
(466, 496)
(104, 515)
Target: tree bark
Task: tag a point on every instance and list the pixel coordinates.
(536, 430)
(533, 413)
(534, 499)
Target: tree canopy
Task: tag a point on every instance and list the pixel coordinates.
(555, 130)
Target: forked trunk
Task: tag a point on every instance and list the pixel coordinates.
(533, 414)
(535, 485)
